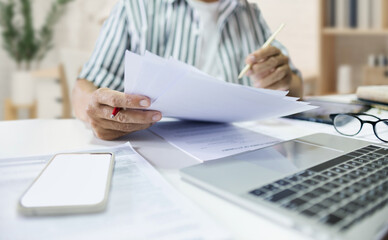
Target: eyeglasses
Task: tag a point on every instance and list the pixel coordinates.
(350, 124)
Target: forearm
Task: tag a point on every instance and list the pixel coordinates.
(296, 86)
(82, 92)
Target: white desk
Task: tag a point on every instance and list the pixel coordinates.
(38, 137)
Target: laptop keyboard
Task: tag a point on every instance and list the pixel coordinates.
(339, 192)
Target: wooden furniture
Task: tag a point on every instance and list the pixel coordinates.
(57, 73)
(11, 111)
(353, 50)
(375, 76)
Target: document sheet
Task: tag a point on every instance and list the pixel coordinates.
(141, 205)
(208, 141)
(182, 91)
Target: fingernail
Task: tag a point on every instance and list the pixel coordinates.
(144, 103)
(156, 117)
(256, 84)
(249, 72)
(252, 58)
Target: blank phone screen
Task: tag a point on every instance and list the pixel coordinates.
(71, 180)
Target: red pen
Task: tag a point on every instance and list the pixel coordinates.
(114, 112)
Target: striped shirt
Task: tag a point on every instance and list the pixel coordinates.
(171, 28)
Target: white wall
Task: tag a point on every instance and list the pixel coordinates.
(300, 35)
(5, 65)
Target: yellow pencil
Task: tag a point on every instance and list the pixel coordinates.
(266, 44)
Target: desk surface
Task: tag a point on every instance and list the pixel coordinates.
(38, 137)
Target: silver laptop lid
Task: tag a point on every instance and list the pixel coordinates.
(235, 177)
(249, 170)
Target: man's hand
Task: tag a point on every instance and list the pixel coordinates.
(269, 69)
(96, 106)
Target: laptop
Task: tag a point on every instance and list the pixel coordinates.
(325, 186)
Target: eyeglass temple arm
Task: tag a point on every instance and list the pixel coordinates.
(332, 116)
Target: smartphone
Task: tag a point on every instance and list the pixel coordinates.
(70, 183)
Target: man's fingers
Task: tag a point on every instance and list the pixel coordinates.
(108, 130)
(261, 75)
(124, 115)
(107, 134)
(270, 68)
(280, 85)
(278, 75)
(270, 64)
(262, 54)
(132, 117)
(122, 127)
(118, 99)
(137, 116)
(97, 110)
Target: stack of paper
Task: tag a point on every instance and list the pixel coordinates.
(141, 205)
(209, 141)
(182, 91)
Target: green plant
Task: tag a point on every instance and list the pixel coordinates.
(22, 42)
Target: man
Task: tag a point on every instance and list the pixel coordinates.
(217, 36)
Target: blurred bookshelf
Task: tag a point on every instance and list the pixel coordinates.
(354, 32)
(350, 19)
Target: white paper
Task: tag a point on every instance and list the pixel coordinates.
(208, 141)
(181, 91)
(133, 63)
(150, 62)
(142, 205)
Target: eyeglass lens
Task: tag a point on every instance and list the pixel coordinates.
(347, 125)
(381, 129)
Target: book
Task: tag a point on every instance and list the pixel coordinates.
(378, 94)
(342, 13)
(363, 14)
(330, 13)
(376, 14)
(353, 10)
